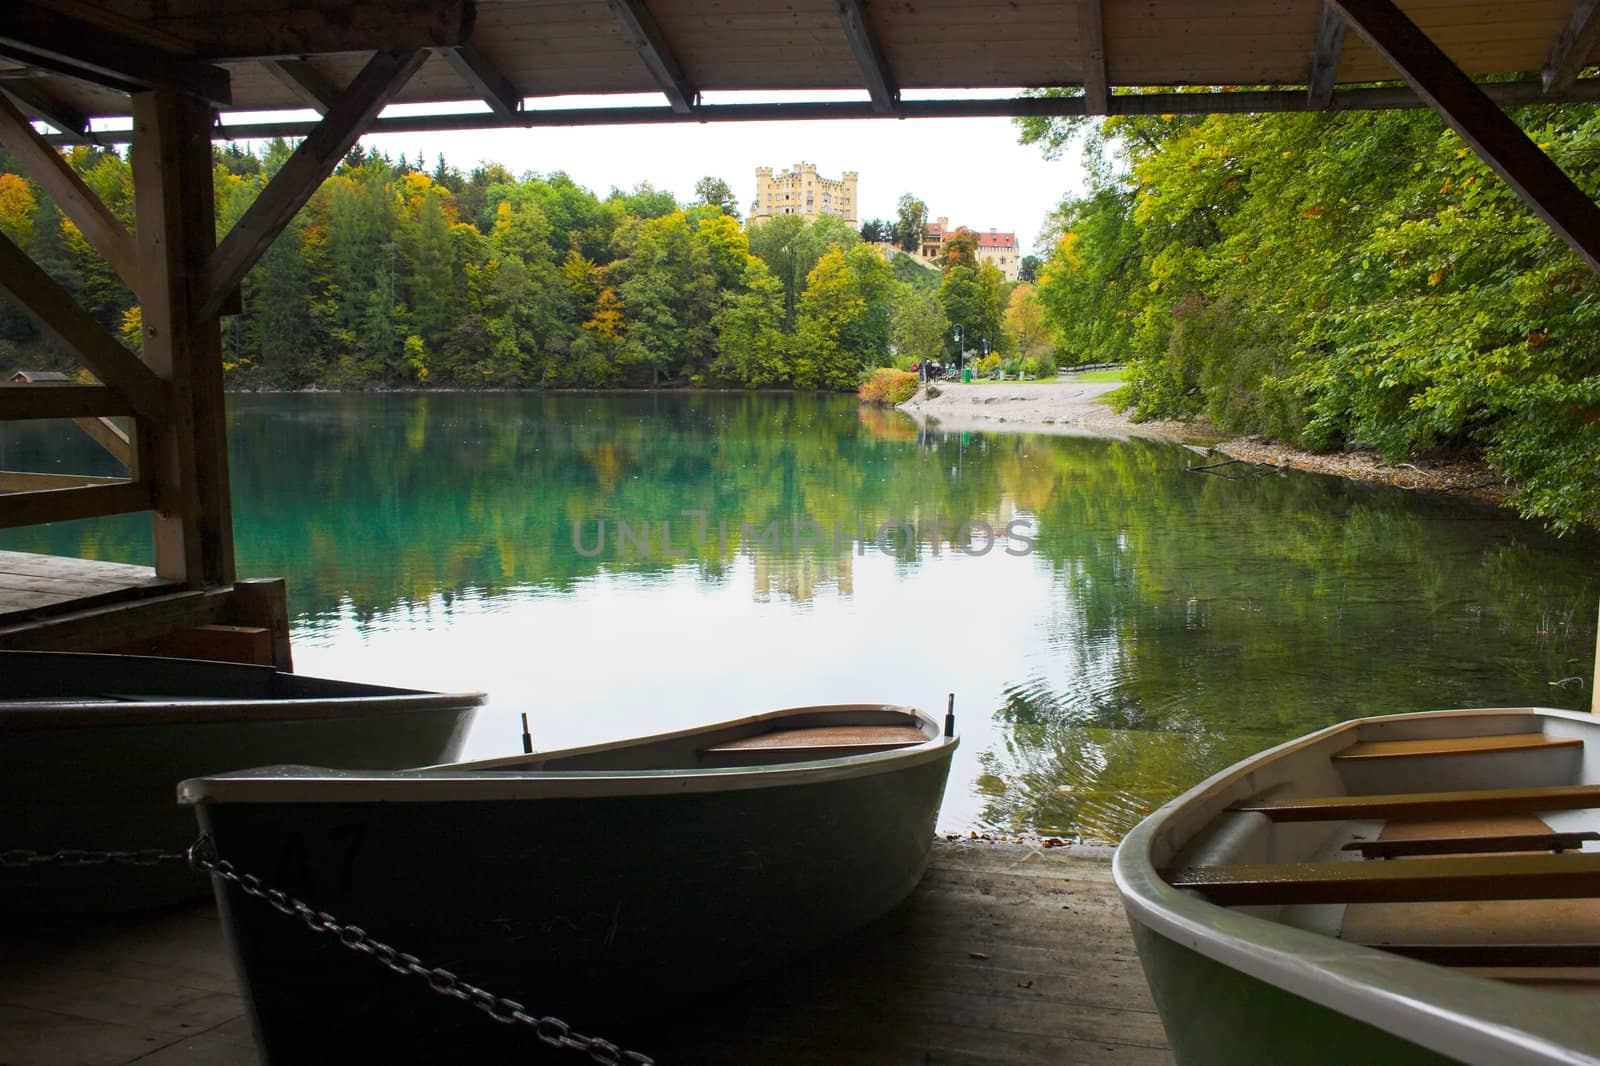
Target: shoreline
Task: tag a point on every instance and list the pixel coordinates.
(1068, 408)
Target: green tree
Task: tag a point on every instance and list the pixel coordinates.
(911, 222)
(714, 192)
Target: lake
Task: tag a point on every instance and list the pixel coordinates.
(1114, 627)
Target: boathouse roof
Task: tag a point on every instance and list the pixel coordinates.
(503, 62)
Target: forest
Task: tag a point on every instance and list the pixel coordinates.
(1338, 280)
(397, 275)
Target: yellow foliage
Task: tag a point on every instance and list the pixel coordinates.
(17, 204)
(607, 324)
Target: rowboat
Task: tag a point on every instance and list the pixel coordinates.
(597, 884)
(92, 748)
(1420, 888)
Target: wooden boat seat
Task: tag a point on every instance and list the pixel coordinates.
(1427, 805)
(1521, 956)
(1570, 876)
(1471, 845)
(847, 738)
(1407, 749)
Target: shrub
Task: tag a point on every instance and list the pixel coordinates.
(888, 386)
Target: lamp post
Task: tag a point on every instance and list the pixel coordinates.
(961, 351)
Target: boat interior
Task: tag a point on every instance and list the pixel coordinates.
(1468, 839)
(806, 734)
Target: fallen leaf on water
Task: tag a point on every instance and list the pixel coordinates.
(976, 955)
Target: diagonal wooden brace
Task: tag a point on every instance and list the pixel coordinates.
(54, 311)
(384, 75)
(1465, 107)
(88, 212)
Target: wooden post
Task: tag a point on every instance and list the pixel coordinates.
(264, 602)
(185, 454)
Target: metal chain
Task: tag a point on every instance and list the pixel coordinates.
(202, 856)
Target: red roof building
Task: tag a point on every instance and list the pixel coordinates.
(993, 247)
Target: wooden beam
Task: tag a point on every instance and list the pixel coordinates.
(184, 455)
(30, 481)
(19, 402)
(38, 102)
(881, 85)
(1247, 102)
(644, 33)
(1500, 142)
(112, 440)
(485, 79)
(1092, 42)
(58, 315)
(39, 34)
(99, 627)
(1573, 46)
(1325, 56)
(383, 76)
(264, 602)
(62, 505)
(103, 230)
(305, 81)
(234, 31)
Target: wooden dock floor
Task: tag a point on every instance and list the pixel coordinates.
(34, 585)
(1005, 954)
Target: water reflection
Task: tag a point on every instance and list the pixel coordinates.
(1141, 627)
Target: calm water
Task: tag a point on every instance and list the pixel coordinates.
(1140, 628)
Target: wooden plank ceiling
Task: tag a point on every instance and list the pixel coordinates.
(284, 54)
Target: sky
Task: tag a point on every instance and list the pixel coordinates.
(972, 171)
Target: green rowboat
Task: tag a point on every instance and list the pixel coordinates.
(1419, 888)
(602, 885)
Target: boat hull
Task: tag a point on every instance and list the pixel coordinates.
(600, 910)
(102, 775)
(1216, 1015)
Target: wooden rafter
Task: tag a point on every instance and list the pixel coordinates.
(39, 35)
(479, 72)
(1325, 56)
(864, 45)
(1092, 43)
(383, 76)
(103, 230)
(233, 31)
(38, 102)
(58, 315)
(644, 33)
(60, 401)
(1463, 105)
(305, 81)
(1573, 47)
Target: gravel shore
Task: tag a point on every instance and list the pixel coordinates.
(1072, 408)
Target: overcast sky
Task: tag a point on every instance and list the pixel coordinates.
(971, 170)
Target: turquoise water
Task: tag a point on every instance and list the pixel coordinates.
(1130, 628)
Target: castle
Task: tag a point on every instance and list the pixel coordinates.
(800, 191)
